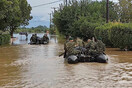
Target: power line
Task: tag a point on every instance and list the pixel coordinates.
(46, 4)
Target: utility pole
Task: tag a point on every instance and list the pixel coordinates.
(66, 2)
(53, 13)
(50, 19)
(107, 11)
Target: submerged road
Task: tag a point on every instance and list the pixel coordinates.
(38, 66)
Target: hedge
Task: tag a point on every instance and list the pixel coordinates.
(103, 33)
(117, 35)
(121, 36)
(4, 39)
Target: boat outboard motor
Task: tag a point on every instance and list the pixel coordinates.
(72, 59)
(102, 58)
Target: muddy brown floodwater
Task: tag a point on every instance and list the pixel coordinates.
(38, 66)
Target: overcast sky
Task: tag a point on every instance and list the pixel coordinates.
(41, 14)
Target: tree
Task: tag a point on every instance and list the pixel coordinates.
(81, 17)
(40, 29)
(13, 16)
(25, 12)
(4, 6)
(17, 14)
(125, 10)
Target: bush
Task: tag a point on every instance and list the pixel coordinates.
(4, 39)
(103, 33)
(87, 29)
(61, 38)
(121, 36)
(117, 35)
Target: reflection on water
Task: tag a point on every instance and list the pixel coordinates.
(38, 66)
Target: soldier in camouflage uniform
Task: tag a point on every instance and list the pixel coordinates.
(45, 38)
(91, 48)
(67, 40)
(70, 47)
(100, 46)
(87, 46)
(80, 42)
(33, 39)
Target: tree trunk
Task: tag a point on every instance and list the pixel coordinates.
(11, 32)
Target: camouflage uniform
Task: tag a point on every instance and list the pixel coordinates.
(65, 45)
(100, 46)
(33, 39)
(70, 47)
(80, 42)
(91, 48)
(45, 38)
(65, 48)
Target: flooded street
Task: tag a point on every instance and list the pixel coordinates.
(38, 66)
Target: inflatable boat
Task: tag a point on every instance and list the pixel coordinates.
(39, 41)
(73, 59)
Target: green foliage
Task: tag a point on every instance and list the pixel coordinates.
(38, 29)
(80, 18)
(86, 19)
(87, 29)
(4, 39)
(121, 36)
(60, 37)
(25, 10)
(14, 14)
(4, 5)
(115, 34)
(102, 32)
(125, 10)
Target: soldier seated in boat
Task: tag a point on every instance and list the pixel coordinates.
(91, 47)
(95, 47)
(79, 42)
(70, 47)
(45, 38)
(100, 46)
(38, 39)
(33, 39)
(87, 46)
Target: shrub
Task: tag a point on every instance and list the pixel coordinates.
(87, 29)
(121, 36)
(117, 35)
(4, 39)
(103, 33)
